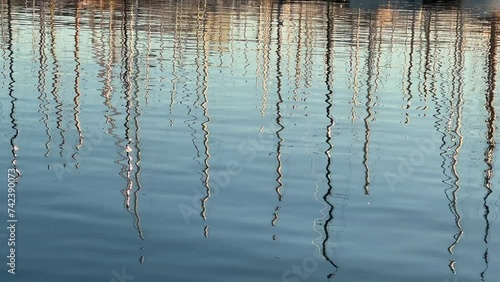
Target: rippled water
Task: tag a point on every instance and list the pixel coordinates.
(251, 141)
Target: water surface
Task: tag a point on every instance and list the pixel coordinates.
(251, 141)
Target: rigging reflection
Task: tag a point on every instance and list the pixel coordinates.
(132, 113)
(10, 87)
(76, 99)
(329, 53)
(42, 81)
(56, 80)
(457, 90)
(490, 141)
(346, 37)
(204, 125)
(279, 177)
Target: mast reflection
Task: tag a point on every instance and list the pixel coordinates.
(328, 99)
(12, 81)
(279, 75)
(491, 143)
(43, 97)
(457, 76)
(132, 114)
(56, 80)
(205, 123)
(76, 99)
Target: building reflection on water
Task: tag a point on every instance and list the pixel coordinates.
(130, 39)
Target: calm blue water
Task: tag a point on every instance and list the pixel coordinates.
(250, 141)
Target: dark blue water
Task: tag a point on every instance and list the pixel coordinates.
(250, 141)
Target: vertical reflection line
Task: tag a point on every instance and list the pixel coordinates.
(148, 55)
(76, 99)
(289, 12)
(127, 88)
(442, 124)
(108, 86)
(298, 52)
(175, 60)
(490, 123)
(355, 70)
(162, 49)
(369, 113)
(42, 80)
(246, 52)
(278, 112)
(427, 67)
(329, 105)
(434, 69)
(204, 125)
(378, 55)
(458, 75)
(200, 19)
(308, 56)
(259, 48)
(266, 42)
(55, 82)
(185, 98)
(421, 61)
(12, 81)
(230, 46)
(33, 30)
(199, 87)
(2, 30)
(123, 150)
(409, 70)
(137, 114)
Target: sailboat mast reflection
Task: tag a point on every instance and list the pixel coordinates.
(136, 123)
(298, 51)
(264, 51)
(12, 81)
(76, 99)
(369, 101)
(457, 78)
(354, 63)
(204, 125)
(279, 177)
(43, 97)
(328, 99)
(409, 82)
(56, 80)
(490, 124)
(130, 81)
